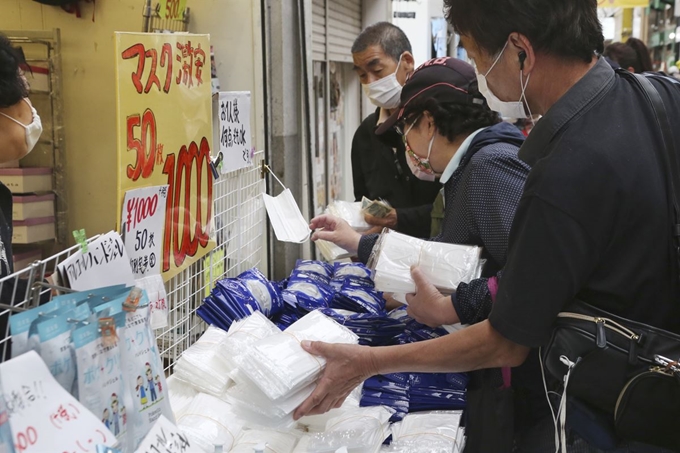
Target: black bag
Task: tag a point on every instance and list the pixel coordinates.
(625, 369)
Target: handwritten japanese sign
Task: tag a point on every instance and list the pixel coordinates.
(233, 118)
(43, 415)
(164, 437)
(142, 226)
(106, 263)
(165, 137)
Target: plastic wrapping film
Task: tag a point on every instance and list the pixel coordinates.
(351, 213)
(242, 334)
(279, 366)
(421, 432)
(275, 441)
(202, 365)
(445, 265)
(317, 423)
(181, 396)
(209, 421)
(362, 430)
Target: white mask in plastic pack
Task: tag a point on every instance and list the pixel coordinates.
(386, 92)
(505, 108)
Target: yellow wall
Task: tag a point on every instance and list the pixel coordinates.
(89, 90)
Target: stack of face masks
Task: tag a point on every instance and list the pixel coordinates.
(275, 441)
(209, 421)
(359, 299)
(360, 431)
(276, 375)
(445, 265)
(428, 432)
(437, 391)
(203, 366)
(356, 273)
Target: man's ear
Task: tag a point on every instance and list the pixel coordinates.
(408, 62)
(521, 46)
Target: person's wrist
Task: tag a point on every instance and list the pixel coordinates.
(354, 242)
(369, 362)
(448, 311)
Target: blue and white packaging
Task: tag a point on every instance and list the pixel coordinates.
(316, 267)
(307, 295)
(101, 384)
(359, 299)
(267, 295)
(358, 270)
(56, 349)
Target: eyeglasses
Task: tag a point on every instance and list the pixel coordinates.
(401, 126)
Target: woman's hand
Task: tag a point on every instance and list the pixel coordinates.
(389, 221)
(335, 230)
(428, 306)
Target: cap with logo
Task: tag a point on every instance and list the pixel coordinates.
(447, 79)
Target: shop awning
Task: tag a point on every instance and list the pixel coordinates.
(621, 3)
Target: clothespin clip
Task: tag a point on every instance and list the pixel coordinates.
(216, 165)
(81, 239)
(132, 301)
(107, 327)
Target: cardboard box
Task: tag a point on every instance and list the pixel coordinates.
(25, 258)
(27, 180)
(32, 206)
(33, 230)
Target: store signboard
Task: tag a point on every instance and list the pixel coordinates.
(43, 415)
(232, 117)
(622, 3)
(165, 136)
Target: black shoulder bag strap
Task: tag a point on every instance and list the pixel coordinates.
(668, 159)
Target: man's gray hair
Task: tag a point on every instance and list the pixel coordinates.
(389, 37)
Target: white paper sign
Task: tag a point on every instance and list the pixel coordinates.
(234, 133)
(158, 299)
(142, 225)
(106, 263)
(286, 218)
(44, 417)
(164, 437)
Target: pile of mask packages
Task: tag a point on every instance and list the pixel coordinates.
(239, 384)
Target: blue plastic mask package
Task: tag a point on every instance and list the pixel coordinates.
(267, 295)
(101, 385)
(307, 295)
(298, 275)
(238, 300)
(359, 299)
(344, 270)
(316, 267)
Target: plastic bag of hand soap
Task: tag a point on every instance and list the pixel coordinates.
(267, 294)
(142, 370)
(101, 385)
(316, 267)
(56, 348)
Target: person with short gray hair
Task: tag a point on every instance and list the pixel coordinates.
(383, 61)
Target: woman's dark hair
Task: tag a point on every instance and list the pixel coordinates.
(12, 86)
(566, 28)
(643, 61)
(621, 53)
(451, 118)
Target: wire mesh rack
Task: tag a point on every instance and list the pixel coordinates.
(240, 223)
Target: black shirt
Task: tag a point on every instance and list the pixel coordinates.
(380, 171)
(593, 221)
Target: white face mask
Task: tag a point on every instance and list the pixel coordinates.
(506, 109)
(33, 130)
(386, 92)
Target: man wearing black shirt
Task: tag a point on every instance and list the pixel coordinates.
(383, 60)
(592, 223)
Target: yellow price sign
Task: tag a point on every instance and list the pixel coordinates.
(621, 3)
(173, 9)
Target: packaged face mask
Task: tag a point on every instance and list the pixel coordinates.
(307, 295)
(314, 267)
(301, 275)
(209, 421)
(343, 270)
(237, 300)
(359, 299)
(56, 349)
(101, 385)
(267, 295)
(144, 375)
(362, 430)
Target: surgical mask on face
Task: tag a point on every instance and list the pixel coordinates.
(33, 130)
(420, 168)
(505, 108)
(386, 92)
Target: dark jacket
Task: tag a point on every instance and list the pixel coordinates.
(379, 170)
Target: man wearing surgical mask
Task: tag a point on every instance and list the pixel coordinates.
(383, 61)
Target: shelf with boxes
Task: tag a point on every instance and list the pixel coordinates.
(38, 181)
